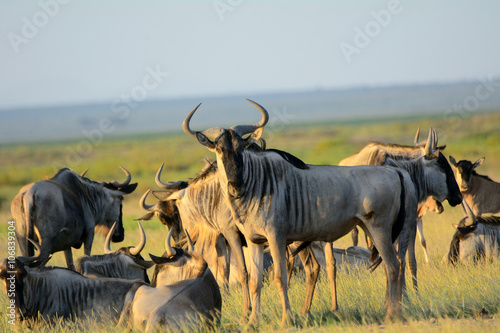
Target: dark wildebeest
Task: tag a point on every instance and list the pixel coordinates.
(476, 238)
(63, 212)
(184, 293)
(272, 200)
(481, 192)
(53, 292)
(124, 263)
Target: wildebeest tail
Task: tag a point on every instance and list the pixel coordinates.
(29, 211)
(375, 259)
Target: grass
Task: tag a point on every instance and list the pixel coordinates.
(450, 298)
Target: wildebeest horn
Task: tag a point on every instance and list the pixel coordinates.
(245, 129)
(429, 149)
(29, 260)
(139, 247)
(143, 204)
(170, 186)
(191, 246)
(168, 248)
(416, 139)
(83, 173)
(126, 182)
(185, 124)
(107, 242)
(469, 212)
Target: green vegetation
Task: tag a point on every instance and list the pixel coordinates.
(450, 298)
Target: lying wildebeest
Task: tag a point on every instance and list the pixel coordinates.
(476, 237)
(63, 211)
(53, 292)
(124, 263)
(275, 200)
(481, 192)
(185, 293)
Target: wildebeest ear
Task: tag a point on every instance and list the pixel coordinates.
(453, 161)
(478, 163)
(202, 138)
(441, 148)
(162, 195)
(455, 225)
(128, 189)
(144, 263)
(146, 217)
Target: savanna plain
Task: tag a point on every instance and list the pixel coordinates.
(462, 298)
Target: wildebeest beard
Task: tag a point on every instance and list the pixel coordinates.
(454, 195)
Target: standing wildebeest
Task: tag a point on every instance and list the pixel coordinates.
(63, 211)
(481, 192)
(376, 153)
(124, 263)
(52, 292)
(476, 238)
(272, 199)
(185, 293)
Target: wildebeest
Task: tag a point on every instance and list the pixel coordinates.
(185, 293)
(63, 211)
(272, 200)
(52, 292)
(201, 202)
(481, 192)
(476, 238)
(124, 263)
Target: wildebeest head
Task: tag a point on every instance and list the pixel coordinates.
(124, 263)
(165, 210)
(114, 203)
(176, 264)
(229, 144)
(465, 169)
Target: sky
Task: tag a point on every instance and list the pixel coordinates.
(60, 52)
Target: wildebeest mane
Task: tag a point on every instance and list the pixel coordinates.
(474, 173)
(415, 170)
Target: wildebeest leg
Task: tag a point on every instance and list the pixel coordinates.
(256, 267)
(331, 269)
(312, 269)
(277, 245)
(69, 259)
(420, 231)
(412, 261)
(354, 236)
(233, 238)
(222, 259)
(290, 262)
(383, 242)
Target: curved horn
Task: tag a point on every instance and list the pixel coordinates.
(107, 242)
(168, 248)
(470, 214)
(139, 247)
(245, 129)
(191, 246)
(29, 260)
(83, 173)
(430, 140)
(142, 202)
(126, 182)
(185, 123)
(435, 141)
(416, 139)
(170, 186)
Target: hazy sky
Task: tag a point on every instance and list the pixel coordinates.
(60, 52)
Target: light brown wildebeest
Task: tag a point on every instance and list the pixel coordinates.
(481, 192)
(185, 293)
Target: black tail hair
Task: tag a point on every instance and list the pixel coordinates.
(375, 259)
(301, 246)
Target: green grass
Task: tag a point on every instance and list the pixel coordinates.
(449, 300)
